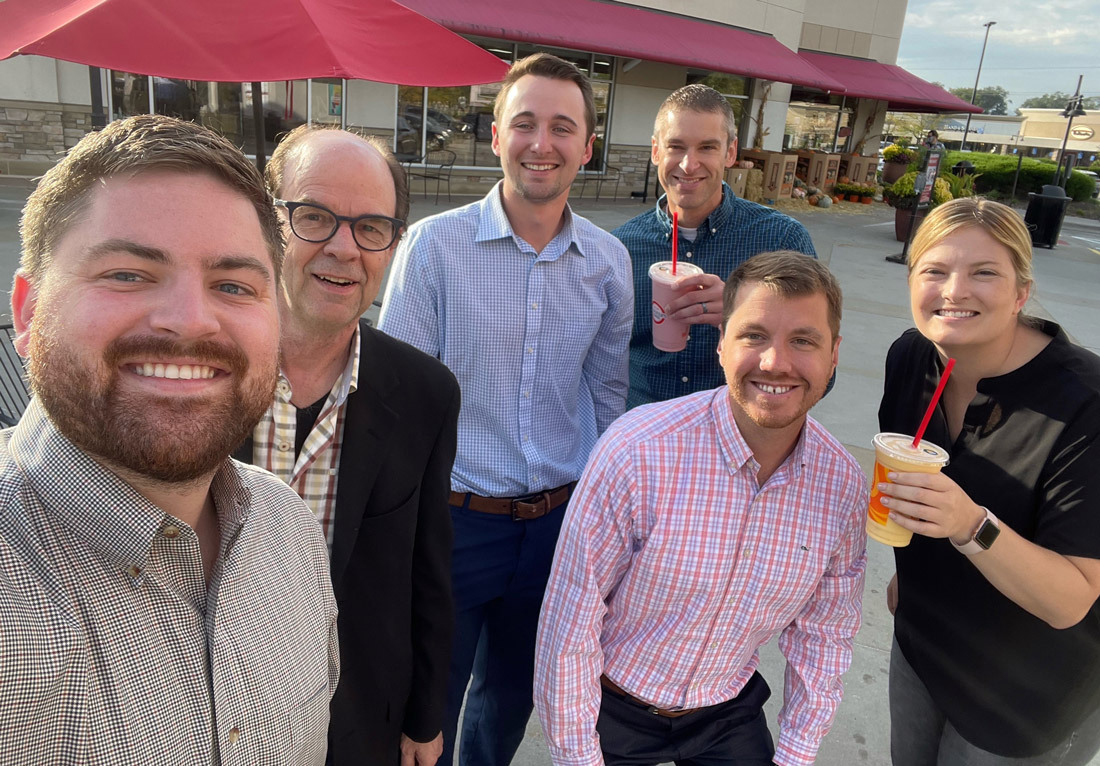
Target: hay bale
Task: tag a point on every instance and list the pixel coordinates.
(754, 186)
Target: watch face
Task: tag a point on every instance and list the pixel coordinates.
(987, 534)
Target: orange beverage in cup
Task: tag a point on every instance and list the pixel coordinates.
(669, 334)
(895, 452)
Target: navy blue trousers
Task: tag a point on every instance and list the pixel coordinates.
(499, 573)
(734, 733)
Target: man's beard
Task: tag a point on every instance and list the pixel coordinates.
(166, 438)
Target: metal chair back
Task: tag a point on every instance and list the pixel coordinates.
(14, 393)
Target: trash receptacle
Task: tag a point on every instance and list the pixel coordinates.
(963, 168)
(1044, 215)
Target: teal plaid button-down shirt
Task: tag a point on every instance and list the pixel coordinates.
(734, 232)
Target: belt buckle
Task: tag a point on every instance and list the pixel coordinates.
(532, 499)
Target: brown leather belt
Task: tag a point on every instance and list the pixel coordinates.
(523, 508)
(618, 691)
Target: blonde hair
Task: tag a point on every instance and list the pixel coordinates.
(998, 221)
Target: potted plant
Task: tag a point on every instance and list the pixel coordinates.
(896, 159)
(902, 196)
(866, 193)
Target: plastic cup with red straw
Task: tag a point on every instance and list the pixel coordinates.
(932, 405)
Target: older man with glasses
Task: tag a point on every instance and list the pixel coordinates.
(363, 428)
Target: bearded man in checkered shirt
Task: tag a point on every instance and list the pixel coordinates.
(159, 602)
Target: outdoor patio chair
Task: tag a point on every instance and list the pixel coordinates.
(609, 174)
(14, 395)
(438, 165)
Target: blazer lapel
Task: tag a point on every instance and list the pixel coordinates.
(368, 422)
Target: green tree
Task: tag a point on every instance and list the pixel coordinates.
(993, 99)
(1057, 100)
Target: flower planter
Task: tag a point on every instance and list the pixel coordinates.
(892, 171)
(853, 198)
(866, 200)
(901, 221)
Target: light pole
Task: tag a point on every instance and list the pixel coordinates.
(1073, 109)
(974, 94)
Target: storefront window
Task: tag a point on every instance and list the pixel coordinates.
(733, 87)
(818, 126)
(284, 108)
(461, 118)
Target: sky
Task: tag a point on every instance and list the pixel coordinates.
(1036, 46)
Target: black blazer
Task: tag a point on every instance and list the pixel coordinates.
(391, 552)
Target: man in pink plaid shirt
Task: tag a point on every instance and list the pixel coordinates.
(701, 528)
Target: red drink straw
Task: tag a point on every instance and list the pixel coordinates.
(675, 238)
(932, 405)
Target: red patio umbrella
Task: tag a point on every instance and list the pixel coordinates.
(248, 40)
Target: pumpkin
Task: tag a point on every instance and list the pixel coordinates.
(844, 180)
(825, 202)
(812, 199)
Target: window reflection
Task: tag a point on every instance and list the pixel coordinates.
(461, 118)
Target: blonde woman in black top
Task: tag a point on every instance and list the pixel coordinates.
(996, 657)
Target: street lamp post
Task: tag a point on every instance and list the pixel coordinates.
(974, 94)
(1073, 109)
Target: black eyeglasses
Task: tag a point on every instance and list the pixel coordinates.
(315, 223)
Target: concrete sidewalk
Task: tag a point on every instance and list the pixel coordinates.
(853, 240)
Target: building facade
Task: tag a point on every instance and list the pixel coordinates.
(778, 62)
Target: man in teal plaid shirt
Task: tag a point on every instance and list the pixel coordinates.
(694, 141)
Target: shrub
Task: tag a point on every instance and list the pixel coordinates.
(996, 171)
(903, 194)
(899, 153)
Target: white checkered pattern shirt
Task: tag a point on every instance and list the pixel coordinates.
(315, 473)
(674, 566)
(113, 649)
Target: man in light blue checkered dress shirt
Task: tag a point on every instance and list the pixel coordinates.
(530, 306)
(694, 141)
(159, 602)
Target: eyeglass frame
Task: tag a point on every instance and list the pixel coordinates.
(290, 207)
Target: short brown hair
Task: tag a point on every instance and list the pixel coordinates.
(698, 98)
(275, 170)
(554, 68)
(128, 147)
(789, 274)
(998, 221)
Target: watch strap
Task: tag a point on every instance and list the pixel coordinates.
(983, 538)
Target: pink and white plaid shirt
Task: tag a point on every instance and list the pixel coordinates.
(674, 566)
(315, 473)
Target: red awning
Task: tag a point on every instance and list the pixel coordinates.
(623, 30)
(904, 91)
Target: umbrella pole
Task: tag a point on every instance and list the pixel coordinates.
(258, 124)
(99, 117)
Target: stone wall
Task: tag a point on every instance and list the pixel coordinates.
(34, 135)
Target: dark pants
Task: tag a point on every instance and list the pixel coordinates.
(734, 733)
(499, 573)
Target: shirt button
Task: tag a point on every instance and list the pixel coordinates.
(234, 735)
(684, 379)
(133, 570)
(284, 446)
(688, 254)
(171, 531)
(526, 394)
(530, 350)
(534, 305)
(283, 387)
(714, 231)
